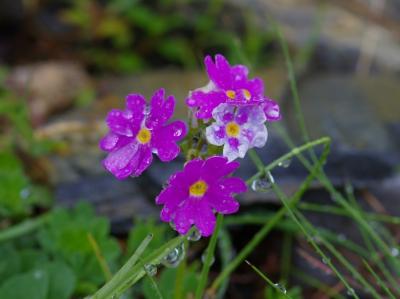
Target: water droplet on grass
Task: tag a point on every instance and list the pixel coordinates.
(151, 270)
(285, 163)
(394, 252)
(280, 288)
(174, 257)
(204, 257)
(263, 184)
(194, 235)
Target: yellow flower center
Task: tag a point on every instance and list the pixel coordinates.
(198, 188)
(247, 94)
(144, 136)
(231, 94)
(232, 129)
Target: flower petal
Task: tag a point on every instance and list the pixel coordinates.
(223, 203)
(119, 123)
(161, 110)
(136, 104)
(145, 158)
(216, 167)
(122, 161)
(215, 134)
(204, 218)
(232, 185)
(108, 142)
(271, 110)
(165, 138)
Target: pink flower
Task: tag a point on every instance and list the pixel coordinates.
(135, 134)
(193, 194)
(228, 84)
(237, 129)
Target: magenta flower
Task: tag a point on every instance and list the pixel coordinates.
(135, 134)
(237, 129)
(192, 195)
(228, 84)
(271, 110)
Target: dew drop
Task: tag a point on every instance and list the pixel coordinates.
(194, 235)
(174, 257)
(204, 257)
(394, 252)
(147, 110)
(351, 292)
(38, 274)
(341, 238)
(150, 269)
(263, 184)
(25, 193)
(285, 163)
(280, 288)
(172, 224)
(326, 261)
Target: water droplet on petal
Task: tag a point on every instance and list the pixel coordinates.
(146, 110)
(150, 269)
(194, 235)
(175, 256)
(280, 288)
(285, 163)
(394, 252)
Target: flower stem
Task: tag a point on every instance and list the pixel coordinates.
(112, 287)
(210, 254)
(23, 228)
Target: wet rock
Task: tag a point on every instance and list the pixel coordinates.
(121, 201)
(354, 111)
(347, 34)
(48, 87)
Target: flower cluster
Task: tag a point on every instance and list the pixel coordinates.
(234, 110)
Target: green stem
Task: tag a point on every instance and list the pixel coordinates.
(267, 227)
(209, 258)
(269, 281)
(110, 289)
(23, 228)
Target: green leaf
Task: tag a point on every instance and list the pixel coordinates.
(10, 262)
(62, 280)
(31, 259)
(31, 285)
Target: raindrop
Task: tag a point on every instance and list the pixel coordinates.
(194, 235)
(285, 163)
(174, 257)
(326, 261)
(150, 269)
(280, 288)
(204, 257)
(38, 274)
(263, 184)
(341, 238)
(394, 252)
(351, 292)
(172, 224)
(25, 193)
(146, 110)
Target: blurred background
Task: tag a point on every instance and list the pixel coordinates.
(64, 64)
